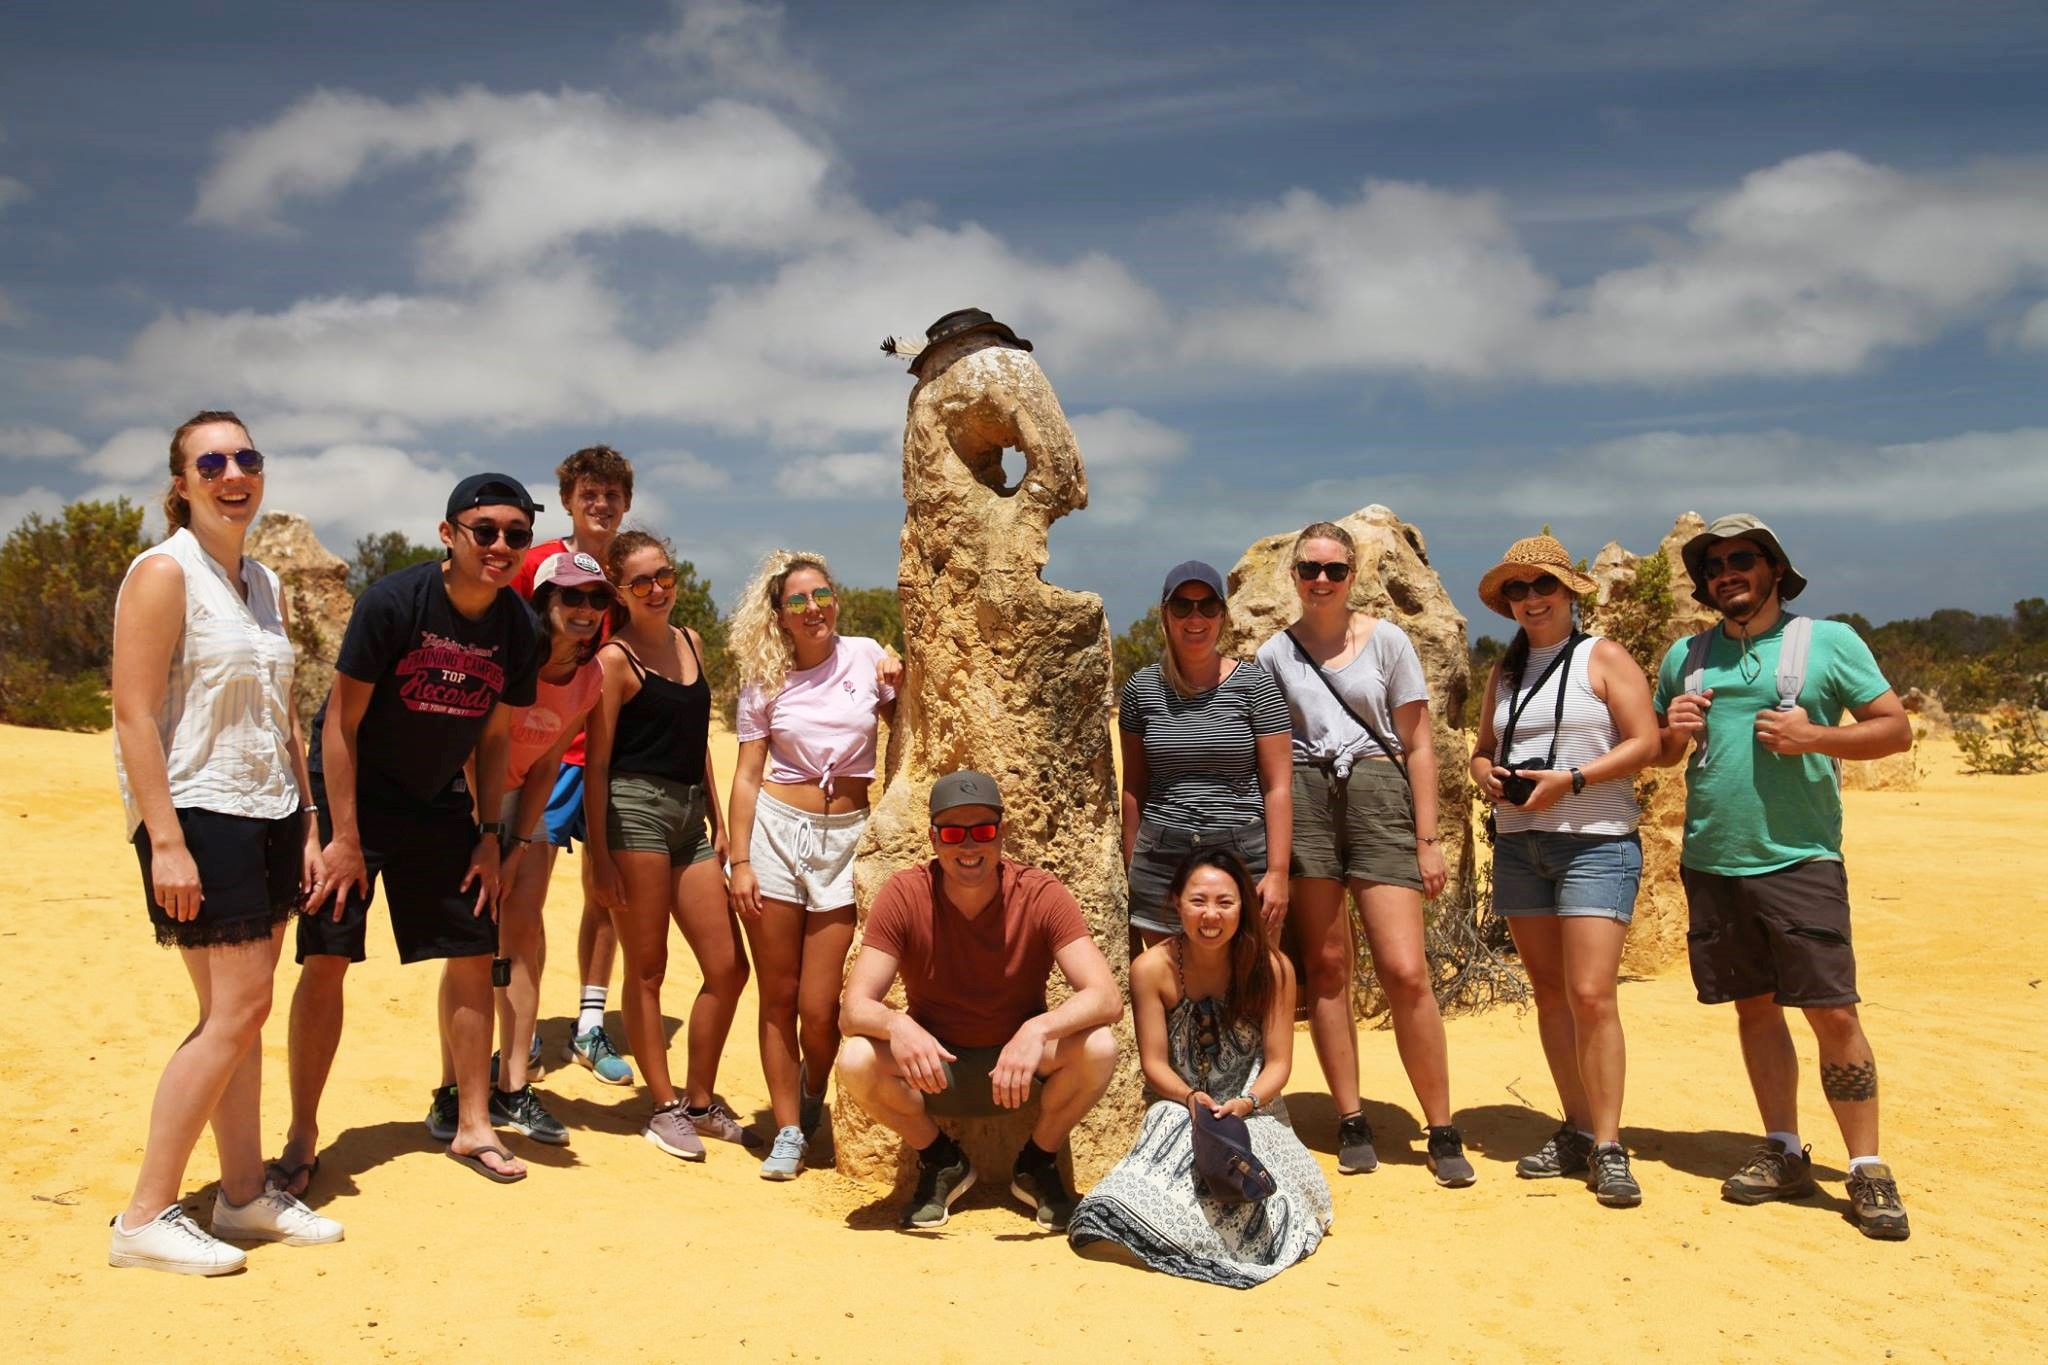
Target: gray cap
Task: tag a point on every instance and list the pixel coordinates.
(965, 788)
(1738, 526)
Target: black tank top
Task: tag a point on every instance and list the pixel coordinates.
(662, 729)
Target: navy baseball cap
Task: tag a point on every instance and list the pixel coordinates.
(490, 490)
(1193, 571)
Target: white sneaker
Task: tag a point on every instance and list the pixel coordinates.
(273, 1216)
(172, 1241)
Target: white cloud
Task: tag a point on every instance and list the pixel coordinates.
(132, 454)
(1125, 453)
(12, 191)
(681, 470)
(737, 45)
(16, 507)
(2033, 331)
(533, 172)
(38, 443)
(848, 475)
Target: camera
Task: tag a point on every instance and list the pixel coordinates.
(1517, 788)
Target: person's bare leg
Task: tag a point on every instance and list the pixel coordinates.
(1077, 1070)
(828, 937)
(1772, 1062)
(466, 986)
(233, 986)
(522, 937)
(868, 1073)
(315, 1038)
(777, 940)
(1848, 1075)
(1393, 931)
(713, 933)
(1540, 945)
(596, 938)
(1322, 924)
(643, 936)
(1592, 963)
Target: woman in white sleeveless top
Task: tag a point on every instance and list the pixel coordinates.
(212, 778)
(1566, 726)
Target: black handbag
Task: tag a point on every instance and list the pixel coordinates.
(1226, 1168)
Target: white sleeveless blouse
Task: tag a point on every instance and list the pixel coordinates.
(1588, 731)
(225, 721)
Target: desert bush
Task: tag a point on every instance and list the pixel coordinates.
(383, 554)
(2012, 744)
(1142, 643)
(59, 577)
(30, 694)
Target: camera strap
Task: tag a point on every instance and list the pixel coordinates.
(1515, 709)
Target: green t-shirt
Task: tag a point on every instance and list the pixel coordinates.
(1750, 810)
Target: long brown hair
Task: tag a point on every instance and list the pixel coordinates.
(1251, 964)
(177, 511)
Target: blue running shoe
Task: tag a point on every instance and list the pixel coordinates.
(594, 1049)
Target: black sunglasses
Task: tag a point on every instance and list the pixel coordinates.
(1742, 561)
(585, 597)
(1522, 587)
(1335, 570)
(213, 464)
(1184, 607)
(486, 534)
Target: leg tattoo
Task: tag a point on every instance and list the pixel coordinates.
(1849, 1081)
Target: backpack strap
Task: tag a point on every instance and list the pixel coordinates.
(1794, 646)
(1695, 679)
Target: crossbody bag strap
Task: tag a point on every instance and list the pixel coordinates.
(1389, 750)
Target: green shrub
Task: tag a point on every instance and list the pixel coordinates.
(2011, 746)
(30, 694)
(383, 554)
(1142, 643)
(59, 577)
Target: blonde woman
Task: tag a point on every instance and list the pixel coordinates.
(810, 700)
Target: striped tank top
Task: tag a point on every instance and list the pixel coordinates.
(226, 719)
(1587, 731)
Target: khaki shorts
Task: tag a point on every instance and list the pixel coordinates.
(1377, 841)
(970, 1091)
(657, 815)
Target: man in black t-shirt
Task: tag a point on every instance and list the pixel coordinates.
(434, 659)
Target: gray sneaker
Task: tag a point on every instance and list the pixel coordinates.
(443, 1115)
(671, 1130)
(786, 1157)
(1564, 1152)
(1773, 1171)
(1355, 1155)
(1874, 1203)
(938, 1189)
(1608, 1176)
(522, 1112)
(1043, 1188)
(1447, 1158)
(721, 1124)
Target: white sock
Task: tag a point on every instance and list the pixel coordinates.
(1584, 1134)
(1858, 1161)
(1789, 1141)
(592, 1014)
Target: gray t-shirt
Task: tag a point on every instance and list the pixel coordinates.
(1385, 674)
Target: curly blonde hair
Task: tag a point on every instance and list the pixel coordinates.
(757, 642)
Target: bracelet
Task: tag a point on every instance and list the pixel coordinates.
(1429, 838)
(310, 809)
(1248, 1095)
(738, 862)
(522, 840)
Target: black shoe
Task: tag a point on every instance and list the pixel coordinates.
(939, 1185)
(1355, 1155)
(443, 1116)
(1447, 1158)
(521, 1111)
(1042, 1188)
(1564, 1152)
(1608, 1176)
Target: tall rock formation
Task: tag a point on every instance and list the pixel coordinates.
(1005, 673)
(315, 583)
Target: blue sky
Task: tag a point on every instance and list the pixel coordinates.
(1491, 265)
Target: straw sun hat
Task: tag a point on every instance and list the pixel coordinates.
(1529, 560)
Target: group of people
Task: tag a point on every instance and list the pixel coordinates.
(512, 699)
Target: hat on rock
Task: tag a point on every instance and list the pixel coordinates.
(1739, 526)
(959, 323)
(1527, 560)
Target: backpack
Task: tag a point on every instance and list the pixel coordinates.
(1793, 648)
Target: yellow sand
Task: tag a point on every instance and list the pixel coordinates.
(613, 1251)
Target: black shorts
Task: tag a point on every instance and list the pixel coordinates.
(422, 853)
(1784, 934)
(970, 1084)
(248, 877)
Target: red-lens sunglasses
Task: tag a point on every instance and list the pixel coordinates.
(957, 834)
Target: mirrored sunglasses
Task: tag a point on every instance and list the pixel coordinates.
(957, 834)
(213, 464)
(804, 601)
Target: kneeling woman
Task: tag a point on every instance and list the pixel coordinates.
(1570, 714)
(809, 702)
(1214, 1007)
(648, 791)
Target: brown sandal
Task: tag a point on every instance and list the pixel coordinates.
(475, 1161)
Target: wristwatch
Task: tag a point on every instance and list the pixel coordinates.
(1578, 782)
(491, 827)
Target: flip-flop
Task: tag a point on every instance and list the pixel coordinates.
(281, 1176)
(474, 1160)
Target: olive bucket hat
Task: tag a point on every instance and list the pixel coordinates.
(1739, 526)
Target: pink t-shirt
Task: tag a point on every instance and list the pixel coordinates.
(821, 725)
(555, 705)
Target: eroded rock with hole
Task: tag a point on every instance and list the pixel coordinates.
(315, 583)
(1005, 673)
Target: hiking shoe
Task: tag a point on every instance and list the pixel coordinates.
(1355, 1155)
(1607, 1175)
(671, 1130)
(172, 1241)
(534, 1068)
(593, 1048)
(1447, 1158)
(1774, 1171)
(786, 1157)
(1564, 1152)
(1042, 1188)
(443, 1115)
(810, 1109)
(522, 1112)
(938, 1189)
(272, 1216)
(721, 1123)
(1874, 1203)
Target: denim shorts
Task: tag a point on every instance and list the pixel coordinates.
(1538, 872)
(1156, 857)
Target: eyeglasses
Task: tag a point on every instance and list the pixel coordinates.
(1335, 570)
(585, 597)
(1184, 607)
(644, 584)
(820, 598)
(957, 834)
(1522, 587)
(1742, 561)
(213, 464)
(486, 533)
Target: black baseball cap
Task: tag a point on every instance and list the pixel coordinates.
(491, 490)
(965, 788)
